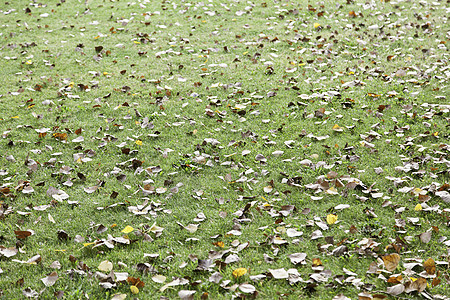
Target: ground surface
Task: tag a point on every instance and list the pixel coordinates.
(224, 149)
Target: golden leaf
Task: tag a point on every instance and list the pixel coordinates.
(316, 262)
(391, 261)
(127, 229)
(134, 289)
(338, 128)
(430, 266)
(395, 279)
(239, 272)
(331, 219)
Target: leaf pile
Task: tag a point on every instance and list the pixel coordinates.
(225, 149)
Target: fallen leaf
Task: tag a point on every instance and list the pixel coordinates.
(391, 261)
(134, 290)
(23, 234)
(50, 279)
(159, 278)
(425, 237)
(119, 297)
(430, 266)
(239, 272)
(297, 258)
(395, 290)
(247, 288)
(331, 219)
(105, 266)
(186, 294)
(279, 273)
(127, 229)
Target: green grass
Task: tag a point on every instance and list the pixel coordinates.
(202, 78)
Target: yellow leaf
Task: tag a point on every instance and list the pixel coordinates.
(316, 25)
(105, 73)
(316, 262)
(220, 244)
(15, 117)
(88, 244)
(336, 127)
(418, 207)
(239, 272)
(29, 62)
(331, 219)
(134, 289)
(139, 142)
(417, 191)
(127, 229)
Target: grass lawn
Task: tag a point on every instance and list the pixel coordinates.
(224, 149)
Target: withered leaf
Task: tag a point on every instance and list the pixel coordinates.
(297, 258)
(391, 261)
(395, 290)
(8, 252)
(425, 237)
(430, 266)
(50, 279)
(135, 281)
(186, 295)
(279, 273)
(247, 288)
(29, 293)
(23, 234)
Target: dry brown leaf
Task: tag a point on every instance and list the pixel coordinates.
(50, 279)
(430, 266)
(391, 261)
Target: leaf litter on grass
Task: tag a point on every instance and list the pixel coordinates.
(247, 149)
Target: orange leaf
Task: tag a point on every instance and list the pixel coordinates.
(135, 282)
(395, 279)
(316, 262)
